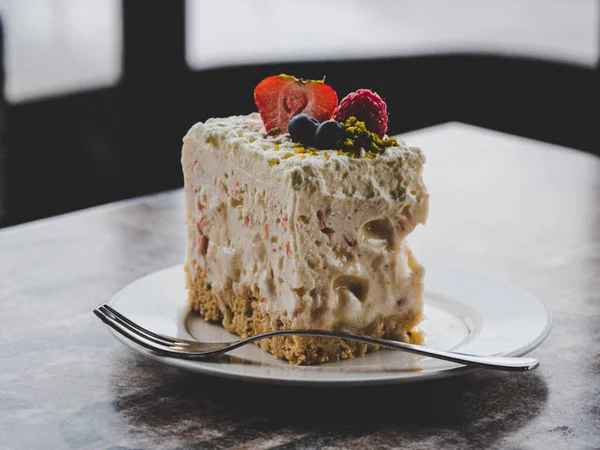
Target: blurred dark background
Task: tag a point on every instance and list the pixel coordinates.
(97, 94)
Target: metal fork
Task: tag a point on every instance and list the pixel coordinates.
(182, 348)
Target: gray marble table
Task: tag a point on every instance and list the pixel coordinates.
(520, 210)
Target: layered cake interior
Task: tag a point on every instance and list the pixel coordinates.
(285, 236)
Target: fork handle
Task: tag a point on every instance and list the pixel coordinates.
(507, 363)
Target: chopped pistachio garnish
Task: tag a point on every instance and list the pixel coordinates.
(358, 137)
(274, 131)
(299, 149)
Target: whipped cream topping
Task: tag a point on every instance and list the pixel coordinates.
(318, 237)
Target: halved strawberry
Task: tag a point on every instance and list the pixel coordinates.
(281, 97)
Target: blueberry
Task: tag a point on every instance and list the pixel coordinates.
(328, 135)
(302, 129)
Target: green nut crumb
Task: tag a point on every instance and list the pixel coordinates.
(359, 138)
(299, 149)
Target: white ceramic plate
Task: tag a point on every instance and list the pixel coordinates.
(465, 312)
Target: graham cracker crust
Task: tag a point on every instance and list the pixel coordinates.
(241, 314)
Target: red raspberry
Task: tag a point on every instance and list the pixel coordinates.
(366, 106)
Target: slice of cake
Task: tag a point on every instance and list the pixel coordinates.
(281, 235)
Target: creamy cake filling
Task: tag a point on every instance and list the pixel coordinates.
(319, 236)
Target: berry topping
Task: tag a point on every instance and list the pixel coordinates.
(302, 129)
(281, 97)
(367, 107)
(329, 134)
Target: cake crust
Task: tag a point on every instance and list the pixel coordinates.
(241, 314)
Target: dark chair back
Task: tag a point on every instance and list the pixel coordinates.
(79, 150)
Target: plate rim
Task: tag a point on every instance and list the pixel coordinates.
(360, 380)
